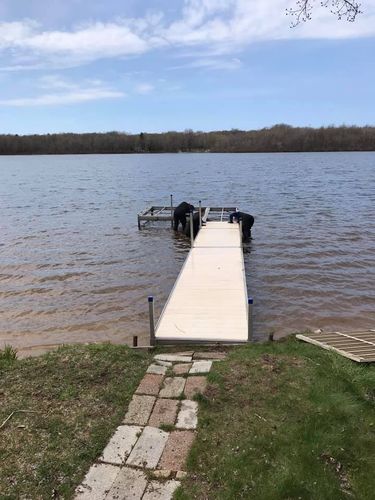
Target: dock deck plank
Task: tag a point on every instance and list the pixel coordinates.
(209, 300)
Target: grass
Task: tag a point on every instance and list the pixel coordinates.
(7, 355)
(284, 420)
(72, 400)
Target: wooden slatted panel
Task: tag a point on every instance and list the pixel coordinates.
(358, 346)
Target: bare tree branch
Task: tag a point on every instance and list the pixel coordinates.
(343, 9)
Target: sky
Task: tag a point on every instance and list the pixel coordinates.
(159, 65)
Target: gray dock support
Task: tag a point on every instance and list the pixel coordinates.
(191, 229)
(172, 211)
(200, 214)
(240, 224)
(249, 319)
(152, 321)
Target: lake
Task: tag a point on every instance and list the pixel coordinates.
(74, 267)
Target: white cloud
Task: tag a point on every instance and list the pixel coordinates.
(219, 26)
(213, 63)
(65, 92)
(144, 88)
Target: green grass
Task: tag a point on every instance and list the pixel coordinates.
(75, 397)
(285, 420)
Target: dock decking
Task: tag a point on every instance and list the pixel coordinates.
(208, 303)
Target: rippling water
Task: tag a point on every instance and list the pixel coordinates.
(74, 266)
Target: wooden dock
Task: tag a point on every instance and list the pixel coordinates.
(209, 303)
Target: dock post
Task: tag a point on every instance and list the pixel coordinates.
(250, 319)
(139, 223)
(172, 211)
(200, 214)
(240, 224)
(152, 322)
(191, 229)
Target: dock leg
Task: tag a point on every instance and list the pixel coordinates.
(250, 319)
(191, 229)
(139, 223)
(172, 211)
(200, 214)
(240, 224)
(152, 322)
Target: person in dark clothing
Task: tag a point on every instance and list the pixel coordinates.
(247, 223)
(179, 214)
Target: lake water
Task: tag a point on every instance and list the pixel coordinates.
(75, 268)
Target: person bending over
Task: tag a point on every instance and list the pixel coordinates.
(247, 223)
(179, 215)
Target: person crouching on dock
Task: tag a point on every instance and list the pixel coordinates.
(247, 223)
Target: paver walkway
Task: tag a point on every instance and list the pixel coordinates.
(145, 458)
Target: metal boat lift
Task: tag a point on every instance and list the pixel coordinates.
(157, 213)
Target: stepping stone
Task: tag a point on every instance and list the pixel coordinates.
(182, 368)
(173, 387)
(147, 452)
(150, 384)
(173, 358)
(156, 369)
(188, 415)
(129, 484)
(195, 385)
(210, 355)
(181, 474)
(161, 491)
(200, 367)
(163, 363)
(161, 474)
(164, 412)
(185, 353)
(120, 444)
(97, 482)
(139, 410)
(176, 450)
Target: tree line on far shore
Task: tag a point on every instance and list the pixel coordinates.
(279, 138)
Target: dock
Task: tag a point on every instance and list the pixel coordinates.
(209, 303)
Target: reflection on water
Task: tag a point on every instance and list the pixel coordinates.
(74, 266)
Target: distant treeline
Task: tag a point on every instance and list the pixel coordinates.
(279, 138)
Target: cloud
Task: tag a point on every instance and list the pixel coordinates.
(219, 26)
(144, 88)
(213, 63)
(65, 92)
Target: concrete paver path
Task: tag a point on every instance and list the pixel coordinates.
(145, 458)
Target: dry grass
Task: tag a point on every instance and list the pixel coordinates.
(77, 396)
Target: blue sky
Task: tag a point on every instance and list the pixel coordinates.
(127, 65)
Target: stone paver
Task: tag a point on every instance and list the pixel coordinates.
(163, 363)
(161, 491)
(181, 368)
(174, 358)
(129, 484)
(188, 415)
(181, 474)
(164, 412)
(201, 367)
(195, 385)
(147, 452)
(176, 450)
(184, 353)
(120, 444)
(97, 482)
(157, 369)
(139, 410)
(173, 387)
(210, 355)
(150, 384)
